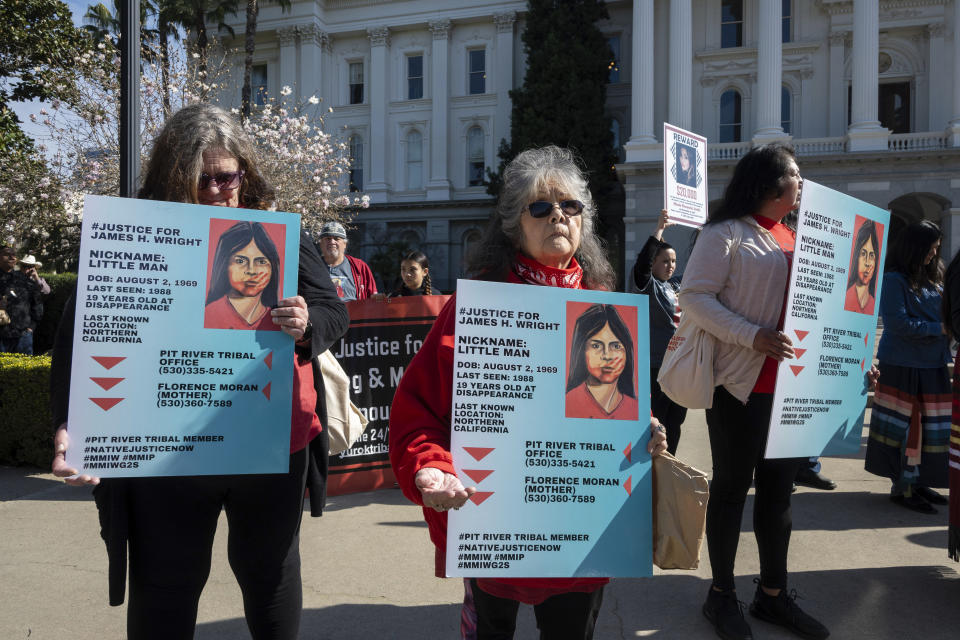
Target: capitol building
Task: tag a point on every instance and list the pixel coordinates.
(867, 91)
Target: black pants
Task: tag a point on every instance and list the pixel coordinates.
(668, 412)
(172, 525)
(738, 437)
(566, 616)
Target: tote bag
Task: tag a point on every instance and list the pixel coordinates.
(680, 494)
(686, 375)
(345, 423)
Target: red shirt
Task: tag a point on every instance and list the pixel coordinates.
(580, 403)
(220, 314)
(786, 238)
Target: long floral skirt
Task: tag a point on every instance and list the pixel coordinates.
(954, 539)
(910, 426)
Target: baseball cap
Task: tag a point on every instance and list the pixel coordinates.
(334, 229)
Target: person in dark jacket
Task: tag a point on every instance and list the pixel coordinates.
(20, 300)
(654, 274)
(167, 524)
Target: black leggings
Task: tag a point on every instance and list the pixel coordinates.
(738, 437)
(565, 616)
(172, 525)
(668, 412)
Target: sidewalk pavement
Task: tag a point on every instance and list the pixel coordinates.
(864, 566)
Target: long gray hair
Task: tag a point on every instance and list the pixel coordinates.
(531, 172)
(177, 157)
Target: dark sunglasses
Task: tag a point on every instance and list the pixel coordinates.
(542, 208)
(224, 180)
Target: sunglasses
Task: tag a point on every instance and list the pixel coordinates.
(224, 180)
(542, 208)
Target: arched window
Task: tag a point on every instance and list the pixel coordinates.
(786, 109)
(470, 240)
(414, 160)
(475, 162)
(731, 122)
(356, 163)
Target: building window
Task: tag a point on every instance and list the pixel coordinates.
(615, 131)
(613, 76)
(258, 84)
(786, 106)
(731, 23)
(414, 77)
(787, 21)
(414, 160)
(356, 83)
(478, 71)
(356, 163)
(731, 121)
(475, 163)
(893, 109)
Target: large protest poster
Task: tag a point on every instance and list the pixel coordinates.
(685, 194)
(384, 336)
(162, 383)
(831, 317)
(551, 409)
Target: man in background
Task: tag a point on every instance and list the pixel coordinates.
(352, 276)
(20, 305)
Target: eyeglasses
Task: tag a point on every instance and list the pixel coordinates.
(542, 208)
(225, 180)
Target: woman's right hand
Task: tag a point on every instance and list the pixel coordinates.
(440, 490)
(61, 442)
(773, 343)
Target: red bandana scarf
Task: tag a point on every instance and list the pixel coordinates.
(532, 272)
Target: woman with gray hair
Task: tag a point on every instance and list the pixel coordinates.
(541, 233)
(167, 524)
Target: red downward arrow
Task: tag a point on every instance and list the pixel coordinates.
(109, 362)
(269, 361)
(108, 383)
(801, 334)
(796, 369)
(106, 403)
(266, 390)
(799, 352)
(477, 475)
(628, 451)
(480, 496)
(628, 485)
(478, 453)
(866, 338)
(862, 363)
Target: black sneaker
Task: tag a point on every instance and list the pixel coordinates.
(810, 478)
(725, 613)
(782, 609)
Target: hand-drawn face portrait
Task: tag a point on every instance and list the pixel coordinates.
(601, 365)
(864, 265)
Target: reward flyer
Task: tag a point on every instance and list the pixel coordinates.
(831, 317)
(163, 383)
(550, 424)
(684, 176)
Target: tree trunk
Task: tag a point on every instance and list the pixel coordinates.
(163, 28)
(246, 97)
(201, 26)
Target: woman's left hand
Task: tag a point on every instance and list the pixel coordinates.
(291, 316)
(658, 438)
(872, 377)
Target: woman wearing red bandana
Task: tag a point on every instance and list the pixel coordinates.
(540, 234)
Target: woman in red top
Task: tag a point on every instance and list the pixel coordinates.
(541, 234)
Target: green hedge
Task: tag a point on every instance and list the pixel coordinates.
(62, 286)
(26, 436)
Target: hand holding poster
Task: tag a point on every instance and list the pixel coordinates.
(831, 317)
(550, 423)
(684, 176)
(177, 366)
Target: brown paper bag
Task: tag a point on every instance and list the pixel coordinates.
(680, 494)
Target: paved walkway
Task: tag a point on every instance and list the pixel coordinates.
(855, 559)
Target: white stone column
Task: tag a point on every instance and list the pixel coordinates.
(769, 68)
(865, 132)
(378, 144)
(837, 112)
(954, 128)
(438, 187)
(313, 43)
(287, 36)
(938, 109)
(681, 64)
(503, 74)
(643, 139)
